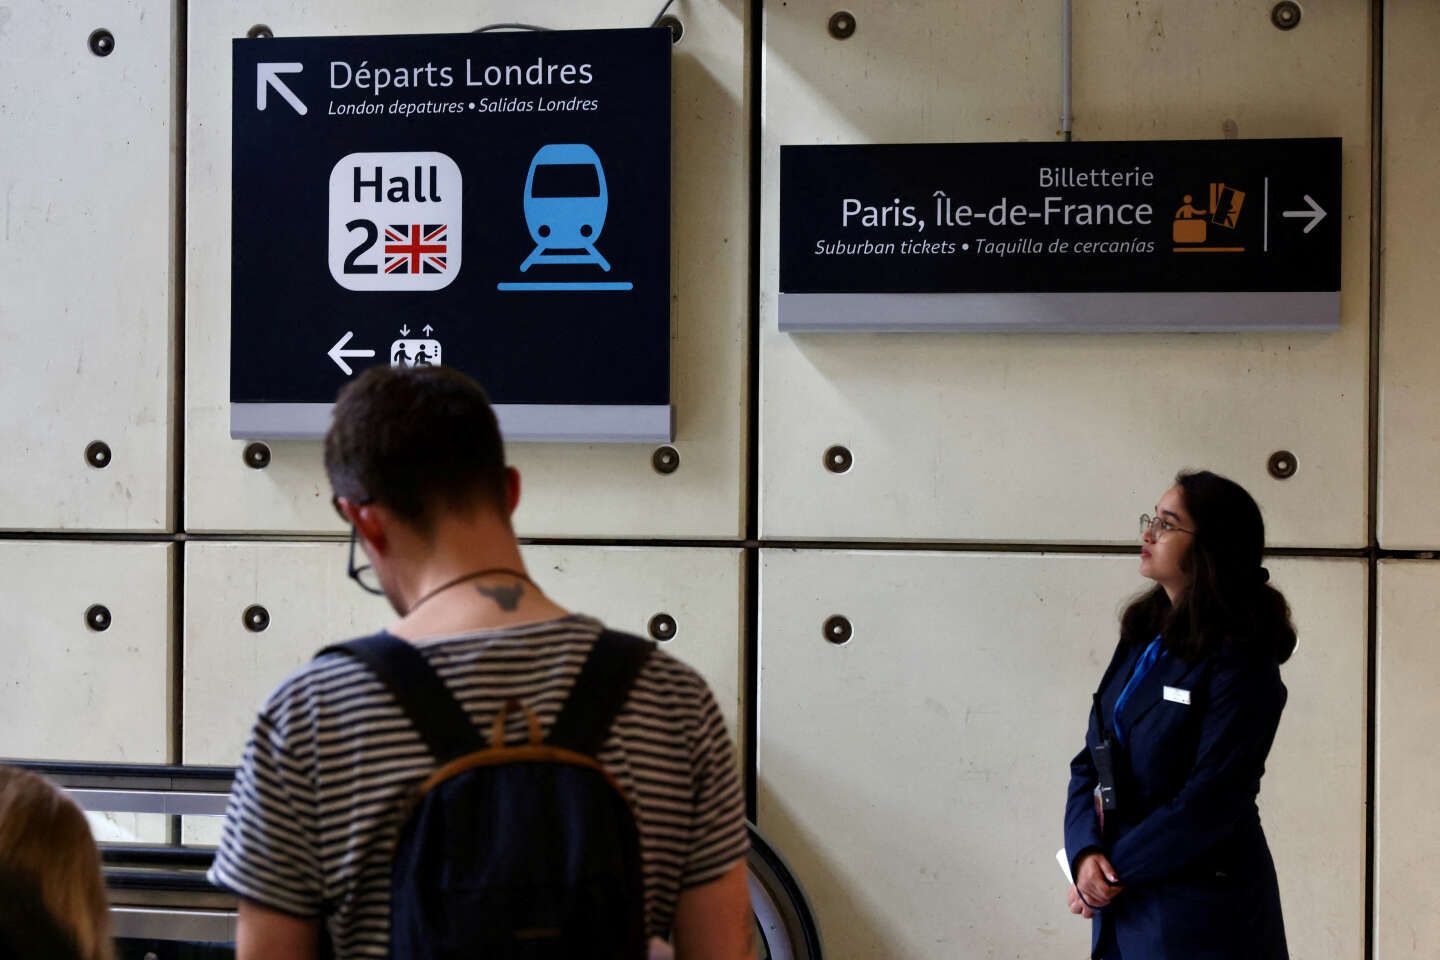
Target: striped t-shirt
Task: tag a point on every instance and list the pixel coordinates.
(315, 809)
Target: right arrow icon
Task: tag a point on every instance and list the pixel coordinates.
(1315, 213)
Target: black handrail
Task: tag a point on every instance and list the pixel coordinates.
(167, 880)
(130, 776)
(804, 924)
(153, 855)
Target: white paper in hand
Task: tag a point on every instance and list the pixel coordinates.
(1064, 861)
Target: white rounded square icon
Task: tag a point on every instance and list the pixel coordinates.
(395, 221)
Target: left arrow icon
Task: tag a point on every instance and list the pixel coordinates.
(267, 75)
(338, 353)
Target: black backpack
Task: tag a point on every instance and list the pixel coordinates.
(515, 853)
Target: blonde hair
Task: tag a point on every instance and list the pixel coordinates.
(46, 842)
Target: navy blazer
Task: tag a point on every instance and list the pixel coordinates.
(1185, 840)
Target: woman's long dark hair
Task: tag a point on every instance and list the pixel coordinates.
(1229, 599)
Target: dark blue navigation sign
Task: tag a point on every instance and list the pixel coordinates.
(1126, 236)
(497, 202)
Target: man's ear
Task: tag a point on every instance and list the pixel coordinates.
(512, 490)
(371, 523)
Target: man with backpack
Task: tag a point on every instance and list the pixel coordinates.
(491, 776)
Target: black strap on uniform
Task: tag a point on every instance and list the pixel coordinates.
(600, 691)
(1103, 754)
(433, 711)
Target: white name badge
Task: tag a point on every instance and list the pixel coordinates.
(1176, 695)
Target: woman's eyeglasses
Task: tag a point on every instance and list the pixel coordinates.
(1159, 526)
(363, 574)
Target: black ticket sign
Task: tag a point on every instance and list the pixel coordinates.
(1204, 235)
(497, 202)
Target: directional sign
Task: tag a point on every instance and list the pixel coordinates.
(1315, 213)
(1109, 237)
(267, 76)
(338, 353)
(497, 202)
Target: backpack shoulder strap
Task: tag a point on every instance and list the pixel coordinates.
(600, 691)
(427, 702)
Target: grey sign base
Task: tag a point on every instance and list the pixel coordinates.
(519, 422)
(1057, 312)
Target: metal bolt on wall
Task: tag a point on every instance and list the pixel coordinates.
(98, 618)
(1286, 15)
(256, 618)
(102, 42)
(663, 627)
(98, 454)
(665, 460)
(1282, 465)
(838, 630)
(257, 456)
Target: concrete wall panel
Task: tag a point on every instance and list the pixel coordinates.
(1410, 286)
(85, 254)
(70, 692)
(1407, 777)
(1061, 438)
(229, 670)
(915, 776)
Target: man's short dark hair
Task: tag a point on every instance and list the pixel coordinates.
(416, 441)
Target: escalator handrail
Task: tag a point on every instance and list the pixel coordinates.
(171, 881)
(145, 855)
(790, 891)
(130, 776)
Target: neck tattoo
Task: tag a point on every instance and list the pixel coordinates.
(512, 594)
(508, 598)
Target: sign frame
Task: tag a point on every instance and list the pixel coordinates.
(1061, 237)
(382, 191)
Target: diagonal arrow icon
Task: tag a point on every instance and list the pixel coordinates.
(338, 353)
(268, 75)
(1316, 213)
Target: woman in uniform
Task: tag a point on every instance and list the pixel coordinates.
(1162, 830)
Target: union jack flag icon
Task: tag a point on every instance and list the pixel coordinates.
(416, 248)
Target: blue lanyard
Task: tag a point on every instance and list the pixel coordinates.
(1142, 666)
